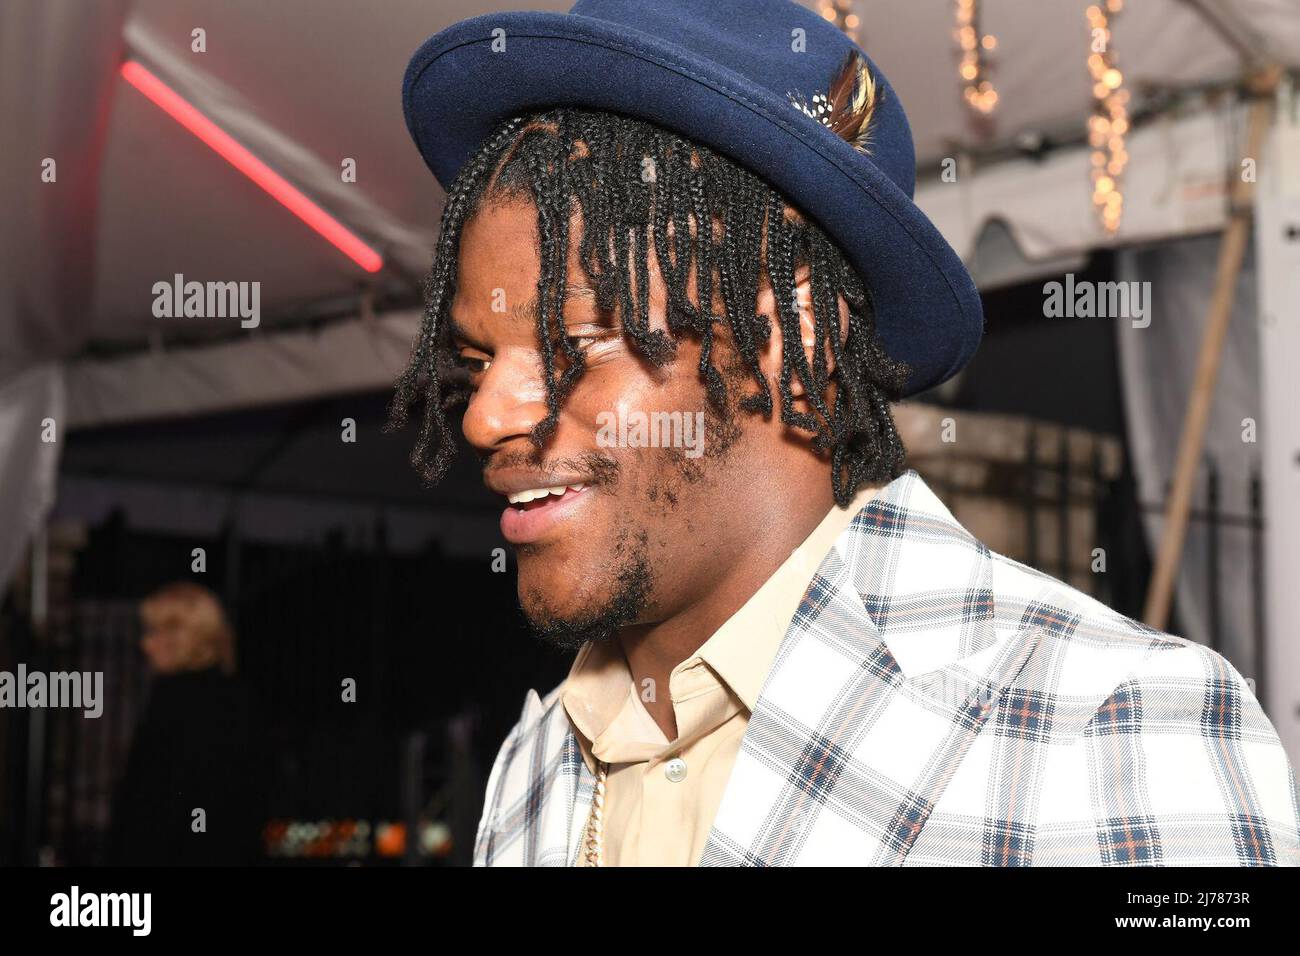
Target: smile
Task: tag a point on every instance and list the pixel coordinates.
(533, 512)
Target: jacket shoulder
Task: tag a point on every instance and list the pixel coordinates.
(533, 742)
(1100, 652)
(1181, 763)
(1185, 735)
(1108, 651)
(1093, 648)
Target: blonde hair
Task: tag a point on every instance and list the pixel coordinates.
(198, 611)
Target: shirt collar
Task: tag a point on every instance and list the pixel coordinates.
(596, 688)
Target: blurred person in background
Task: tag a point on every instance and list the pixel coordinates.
(195, 746)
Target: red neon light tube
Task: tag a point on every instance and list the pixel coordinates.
(171, 103)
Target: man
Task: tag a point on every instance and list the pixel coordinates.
(679, 280)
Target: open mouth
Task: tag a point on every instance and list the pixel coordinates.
(533, 512)
(536, 498)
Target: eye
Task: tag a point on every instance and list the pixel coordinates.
(580, 336)
(476, 363)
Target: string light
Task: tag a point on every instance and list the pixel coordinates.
(1109, 123)
(979, 92)
(840, 13)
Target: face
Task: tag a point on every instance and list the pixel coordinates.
(639, 495)
(169, 645)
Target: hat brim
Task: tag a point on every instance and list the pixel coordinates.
(456, 89)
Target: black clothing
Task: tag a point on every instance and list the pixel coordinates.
(196, 747)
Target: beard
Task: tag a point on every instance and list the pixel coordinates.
(629, 597)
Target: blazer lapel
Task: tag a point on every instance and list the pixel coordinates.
(888, 671)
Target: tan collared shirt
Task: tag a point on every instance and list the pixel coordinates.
(661, 796)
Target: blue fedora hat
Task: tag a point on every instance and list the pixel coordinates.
(721, 73)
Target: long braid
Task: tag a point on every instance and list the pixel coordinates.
(439, 289)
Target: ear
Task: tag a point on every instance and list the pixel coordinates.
(801, 302)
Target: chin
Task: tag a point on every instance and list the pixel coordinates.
(549, 589)
(568, 606)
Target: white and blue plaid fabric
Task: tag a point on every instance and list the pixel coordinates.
(934, 703)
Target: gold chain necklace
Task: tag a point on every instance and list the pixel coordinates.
(594, 844)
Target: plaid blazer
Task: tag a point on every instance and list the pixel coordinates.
(934, 703)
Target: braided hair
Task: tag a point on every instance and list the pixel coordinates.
(636, 185)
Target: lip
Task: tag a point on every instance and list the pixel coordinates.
(527, 526)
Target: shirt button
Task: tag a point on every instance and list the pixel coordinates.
(675, 770)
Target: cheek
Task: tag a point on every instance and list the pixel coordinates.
(660, 504)
(160, 653)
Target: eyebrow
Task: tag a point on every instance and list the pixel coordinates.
(523, 313)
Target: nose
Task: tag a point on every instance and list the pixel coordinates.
(509, 402)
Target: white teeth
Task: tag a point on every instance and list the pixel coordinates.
(531, 494)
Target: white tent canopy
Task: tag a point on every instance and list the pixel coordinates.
(307, 84)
